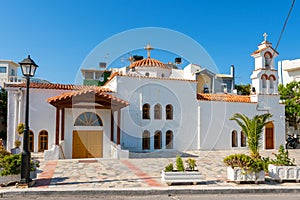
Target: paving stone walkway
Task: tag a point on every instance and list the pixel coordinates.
(140, 172)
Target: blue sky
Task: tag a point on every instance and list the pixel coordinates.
(60, 34)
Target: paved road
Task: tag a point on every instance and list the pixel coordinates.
(168, 197)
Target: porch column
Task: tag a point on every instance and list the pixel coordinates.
(118, 127)
(57, 126)
(112, 123)
(62, 130)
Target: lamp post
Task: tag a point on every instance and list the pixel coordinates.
(28, 68)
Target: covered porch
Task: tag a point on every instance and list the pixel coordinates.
(87, 124)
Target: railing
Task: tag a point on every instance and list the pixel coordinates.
(117, 152)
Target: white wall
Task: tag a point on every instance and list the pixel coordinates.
(216, 127)
(41, 114)
(289, 70)
(180, 94)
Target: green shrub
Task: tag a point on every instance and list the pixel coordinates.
(179, 164)
(3, 152)
(11, 164)
(169, 167)
(191, 164)
(282, 158)
(245, 162)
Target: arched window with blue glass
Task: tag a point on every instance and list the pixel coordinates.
(88, 119)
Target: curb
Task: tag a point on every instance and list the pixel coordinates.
(143, 191)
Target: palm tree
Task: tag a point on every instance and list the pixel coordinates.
(253, 129)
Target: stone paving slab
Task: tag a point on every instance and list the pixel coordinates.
(143, 174)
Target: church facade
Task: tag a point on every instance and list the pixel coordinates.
(145, 107)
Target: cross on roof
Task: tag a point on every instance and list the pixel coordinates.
(265, 36)
(149, 48)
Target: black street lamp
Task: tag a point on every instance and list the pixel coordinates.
(28, 68)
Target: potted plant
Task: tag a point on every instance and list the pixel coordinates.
(282, 167)
(241, 167)
(16, 150)
(20, 128)
(182, 173)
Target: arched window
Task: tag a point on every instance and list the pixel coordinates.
(243, 139)
(146, 111)
(234, 141)
(157, 140)
(43, 141)
(157, 111)
(146, 140)
(272, 81)
(264, 80)
(169, 111)
(169, 139)
(31, 142)
(268, 58)
(88, 119)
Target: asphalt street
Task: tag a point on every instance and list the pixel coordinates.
(283, 196)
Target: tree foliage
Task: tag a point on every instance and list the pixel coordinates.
(290, 94)
(243, 89)
(253, 129)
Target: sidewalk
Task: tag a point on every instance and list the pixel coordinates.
(142, 176)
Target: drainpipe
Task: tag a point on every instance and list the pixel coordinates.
(232, 72)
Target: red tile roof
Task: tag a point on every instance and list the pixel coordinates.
(96, 91)
(223, 97)
(260, 50)
(54, 86)
(46, 86)
(148, 62)
(148, 77)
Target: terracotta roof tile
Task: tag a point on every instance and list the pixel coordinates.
(160, 78)
(55, 86)
(260, 50)
(148, 62)
(98, 91)
(224, 97)
(46, 86)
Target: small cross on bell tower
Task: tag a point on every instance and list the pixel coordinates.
(265, 36)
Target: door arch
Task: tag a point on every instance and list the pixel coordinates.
(269, 135)
(87, 143)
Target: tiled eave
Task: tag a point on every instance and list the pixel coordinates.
(88, 95)
(54, 86)
(224, 97)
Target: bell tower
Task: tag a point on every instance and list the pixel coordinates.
(264, 76)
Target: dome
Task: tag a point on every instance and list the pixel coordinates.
(148, 62)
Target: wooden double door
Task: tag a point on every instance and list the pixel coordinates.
(87, 144)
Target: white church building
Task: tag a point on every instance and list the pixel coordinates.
(145, 107)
